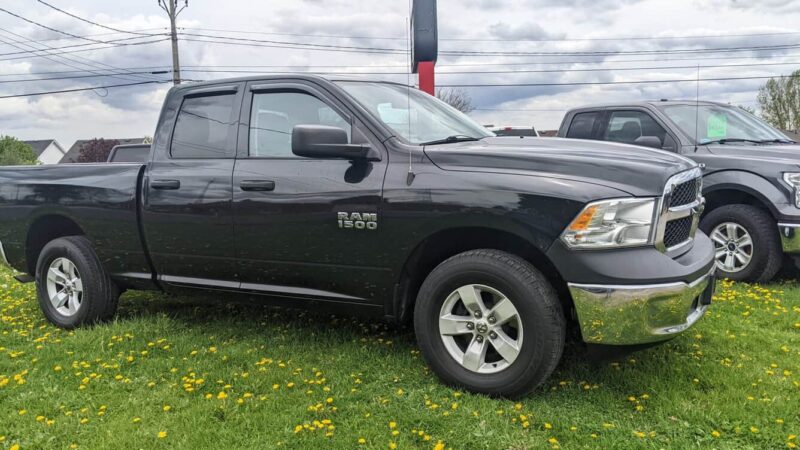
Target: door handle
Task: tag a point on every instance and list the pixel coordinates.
(165, 184)
(257, 185)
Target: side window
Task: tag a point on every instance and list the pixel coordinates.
(274, 115)
(205, 127)
(582, 125)
(627, 126)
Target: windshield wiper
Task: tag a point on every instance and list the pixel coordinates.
(451, 139)
(777, 141)
(727, 140)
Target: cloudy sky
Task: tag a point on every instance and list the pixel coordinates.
(554, 47)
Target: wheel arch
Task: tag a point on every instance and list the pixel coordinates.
(43, 230)
(738, 187)
(442, 244)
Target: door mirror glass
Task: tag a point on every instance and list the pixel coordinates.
(326, 142)
(648, 141)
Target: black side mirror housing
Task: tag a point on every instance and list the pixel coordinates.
(324, 142)
(649, 141)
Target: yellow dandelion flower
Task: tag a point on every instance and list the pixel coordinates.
(162, 434)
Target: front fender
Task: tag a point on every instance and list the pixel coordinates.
(770, 193)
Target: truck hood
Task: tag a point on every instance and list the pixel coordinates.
(767, 153)
(638, 171)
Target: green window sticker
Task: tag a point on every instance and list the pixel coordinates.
(717, 126)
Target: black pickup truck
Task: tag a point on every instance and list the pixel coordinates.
(378, 199)
(751, 173)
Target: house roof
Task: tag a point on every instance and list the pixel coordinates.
(40, 145)
(72, 154)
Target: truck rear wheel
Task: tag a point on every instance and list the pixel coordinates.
(72, 286)
(489, 322)
(746, 240)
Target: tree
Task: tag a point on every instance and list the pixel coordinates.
(779, 99)
(14, 152)
(457, 98)
(96, 150)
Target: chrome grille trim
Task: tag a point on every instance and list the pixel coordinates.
(667, 214)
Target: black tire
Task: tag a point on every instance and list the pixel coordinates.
(540, 314)
(100, 295)
(766, 249)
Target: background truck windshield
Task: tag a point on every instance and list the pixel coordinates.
(718, 122)
(414, 115)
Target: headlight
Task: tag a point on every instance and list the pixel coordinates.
(793, 180)
(612, 223)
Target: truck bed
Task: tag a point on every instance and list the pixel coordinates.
(100, 200)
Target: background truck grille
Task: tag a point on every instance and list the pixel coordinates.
(677, 231)
(684, 193)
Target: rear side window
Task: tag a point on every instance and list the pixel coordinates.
(582, 125)
(205, 127)
(627, 126)
(275, 114)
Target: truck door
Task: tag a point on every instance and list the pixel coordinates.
(186, 213)
(306, 227)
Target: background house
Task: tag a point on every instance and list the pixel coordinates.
(48, 151)
(72, 154)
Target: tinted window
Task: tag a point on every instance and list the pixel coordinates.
(582, 125)
(132, 153)
(627, 126)
(275, 114)
(205, 127)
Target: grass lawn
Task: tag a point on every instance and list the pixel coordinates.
(192, 373)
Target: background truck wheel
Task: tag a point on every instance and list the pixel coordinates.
(72, 286)
(746, 240)
(489, 322)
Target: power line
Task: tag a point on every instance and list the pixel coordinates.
(88, 62)
(599, 83)
(76, 77)
(59, 53)
(32, 94)
(91, 22)
(49, 28)
(388, 50)
(400, 38)
(113, 41)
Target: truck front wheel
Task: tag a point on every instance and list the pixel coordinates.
(489, 322)
(72, 286)
(746, 240)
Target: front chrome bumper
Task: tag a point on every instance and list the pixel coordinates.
(629, 315)
(790, 237)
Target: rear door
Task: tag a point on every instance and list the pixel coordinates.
(186, 213)
(290, 230)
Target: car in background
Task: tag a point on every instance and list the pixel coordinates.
(751, 178)
(130, 153)
(515, 131)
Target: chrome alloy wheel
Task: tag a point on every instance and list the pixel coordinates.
(733, 245)
(64, 286)
(481, 328)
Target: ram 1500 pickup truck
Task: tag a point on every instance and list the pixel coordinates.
(375, 198)
(751, 173)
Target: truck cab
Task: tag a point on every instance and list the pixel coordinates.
(751, 173)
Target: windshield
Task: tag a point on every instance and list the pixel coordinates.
(416, 116)
(718, 122)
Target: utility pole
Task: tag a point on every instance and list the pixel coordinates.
(171, 7)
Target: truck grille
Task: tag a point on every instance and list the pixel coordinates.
(680, 210)
(684, 193)
(677, 231)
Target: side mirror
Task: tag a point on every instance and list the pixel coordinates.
(324, 142)
(649, 141)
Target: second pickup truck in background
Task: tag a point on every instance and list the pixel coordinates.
(751, 178)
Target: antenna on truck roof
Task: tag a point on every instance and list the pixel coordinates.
(697, 111)
(411, 175)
